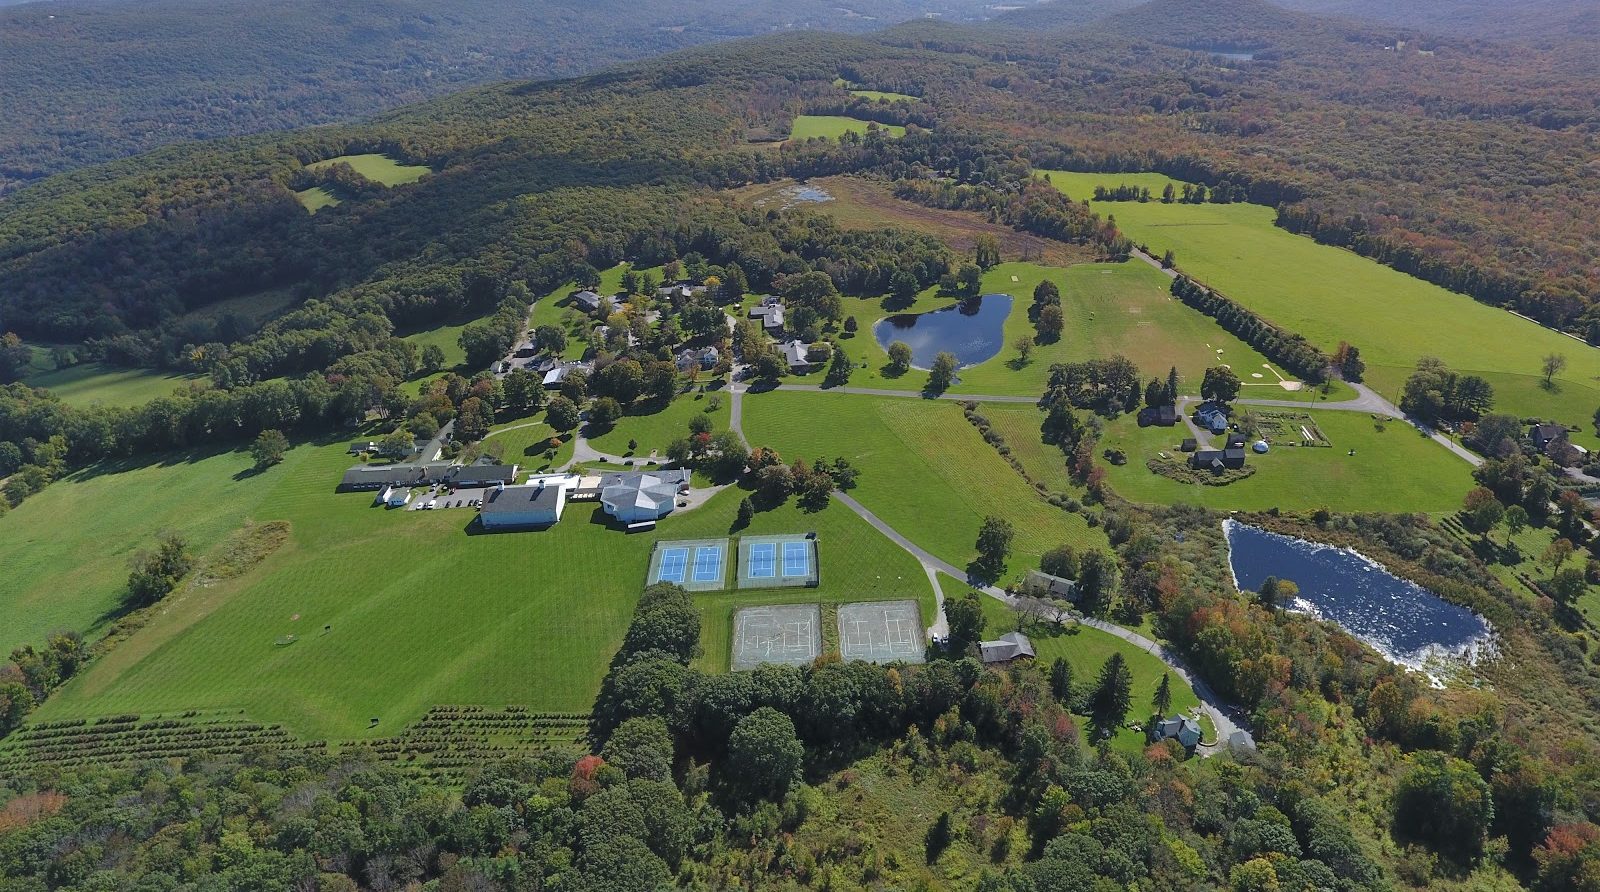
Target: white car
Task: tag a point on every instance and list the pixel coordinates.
(432, 503)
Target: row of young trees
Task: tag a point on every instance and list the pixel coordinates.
(1288, 349)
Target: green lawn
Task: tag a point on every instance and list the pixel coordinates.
(316, 198)
(378, 168)
(1109, 308)
(654, 430)
(1329, 294)
(66, 550)
(1395, 470)
(521, 618)
(527, 444)
(94, 384)
(1019, 425)
(1087, 650)
(933, 489)
(446, 338)
(835, 126)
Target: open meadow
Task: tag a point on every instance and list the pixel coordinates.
(835, 126)
(934, 490)
(1109, 309)
(1329, 294)
(654, 427)
(489, 619)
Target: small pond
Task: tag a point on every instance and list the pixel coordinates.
(972, 330)
(1405, 622)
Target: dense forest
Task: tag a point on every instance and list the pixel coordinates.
(92, 80)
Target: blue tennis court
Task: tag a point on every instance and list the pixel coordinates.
(763, 561)
(796, 559)
(674, 564)
(707, 563)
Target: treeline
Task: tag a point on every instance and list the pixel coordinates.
(1558, 310)
(1288, 349)
(1030, 206)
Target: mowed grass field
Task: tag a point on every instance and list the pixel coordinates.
(1109, 308)
(517, 618)
(885, 96)
(1394, 470)
(316, 198)
(377, 168)
(924, 470)
(1087, 650)
(1329, 294)
(65, 551)
(835, 126)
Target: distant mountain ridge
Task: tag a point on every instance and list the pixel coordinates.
(92, 80)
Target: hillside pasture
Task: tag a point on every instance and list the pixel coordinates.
(1329, 294)
(885, 96)
(482, 619)
(934, 490)
(91, 384)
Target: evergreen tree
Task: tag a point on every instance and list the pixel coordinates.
(1108, 706)
(1061, 681)
(1162, 701)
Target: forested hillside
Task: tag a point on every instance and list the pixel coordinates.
(93, 80)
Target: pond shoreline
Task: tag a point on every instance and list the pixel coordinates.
(1402, 621)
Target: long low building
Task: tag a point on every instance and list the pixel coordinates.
(427, 474)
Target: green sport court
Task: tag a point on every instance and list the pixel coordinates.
(778, 561)
(699, 565)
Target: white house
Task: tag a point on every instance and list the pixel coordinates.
(638, 498)
(770, 314)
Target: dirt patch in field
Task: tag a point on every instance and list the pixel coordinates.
(860, 203)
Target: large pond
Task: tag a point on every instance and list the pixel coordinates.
(1403, 621)
(973, 330)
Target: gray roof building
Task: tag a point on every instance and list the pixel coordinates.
(1044, 585)
(770, 313)
(590, 301)
(1010, 646)
(537, 504)
(1180, 728)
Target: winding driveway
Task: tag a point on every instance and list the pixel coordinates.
(1224, 716)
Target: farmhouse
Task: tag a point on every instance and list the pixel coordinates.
(1043, 585)
(1212, 418)
(1011, 646)
(706, 358)
(679, 293)
(1552, 440)
(1543, 435)
(589, 301)
(535, 504)
(798, 355)
(1180, 728)
(639, 498)
(770, 312)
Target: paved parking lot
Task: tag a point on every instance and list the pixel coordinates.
(461, 498)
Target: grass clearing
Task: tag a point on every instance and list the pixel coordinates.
(835, 126)
(521, 618)
(885, 96)
(378, 168)
(446, 338)
(1329, 294)
(91, 384)
(936, 491)
(316, 198)
(1394, 470)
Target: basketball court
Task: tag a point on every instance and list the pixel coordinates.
(881, 632)
(790, 634)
